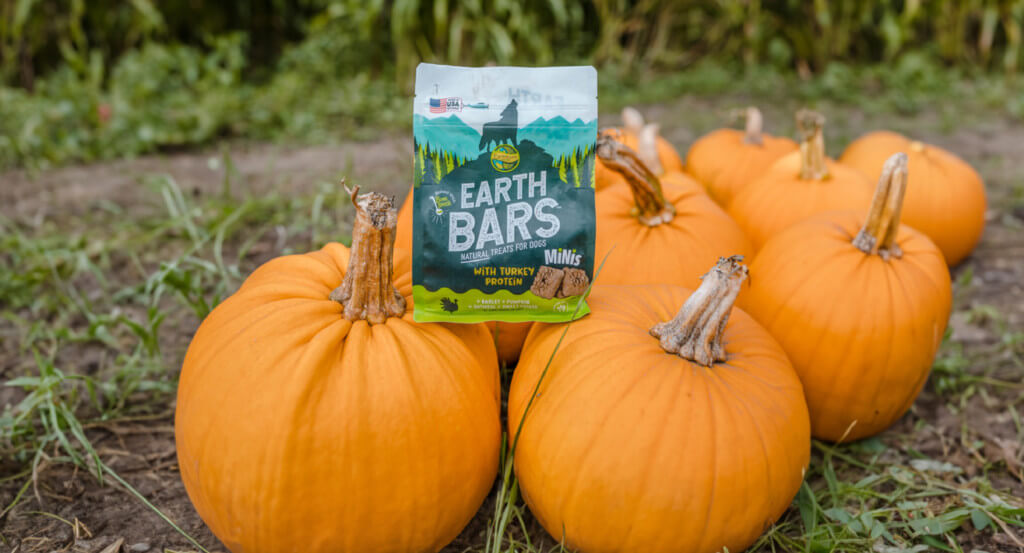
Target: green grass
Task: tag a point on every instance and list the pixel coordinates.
(98, 305)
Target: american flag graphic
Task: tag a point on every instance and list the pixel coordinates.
(441, 105)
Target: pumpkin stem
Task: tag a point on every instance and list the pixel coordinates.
(695, 333)
(755, 124)
(879, 232)
(632, 120)
(812, 145)
(647, 148)
(367, 291)
(651, 208)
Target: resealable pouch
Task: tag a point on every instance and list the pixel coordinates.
(503, 193)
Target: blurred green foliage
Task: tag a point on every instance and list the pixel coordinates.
(92, 79)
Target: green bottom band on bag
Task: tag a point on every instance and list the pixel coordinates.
(475, 306)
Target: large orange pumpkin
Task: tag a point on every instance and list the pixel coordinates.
(657, 230)
(945, 196)
(725, 161)
(660, 156)
(798, 186)
(330, 421)
(694, 442)
(860, 310)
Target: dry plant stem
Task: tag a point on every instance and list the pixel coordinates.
(695, 333)
(812, 145)
(755, 124)
(367, 291)
(651, 207)
(647, 148)
(632, 120)
(879, 232)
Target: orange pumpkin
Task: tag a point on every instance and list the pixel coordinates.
(725, 161)
(945, 196)
(403, 233)
(655, 230)
(509, 338)
(658, 154)
(860, 313)
(627, 448)
(332, 419)
(798, 186)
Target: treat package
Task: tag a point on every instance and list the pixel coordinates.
(503, 198)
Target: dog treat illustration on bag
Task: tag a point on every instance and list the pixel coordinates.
(503, 199)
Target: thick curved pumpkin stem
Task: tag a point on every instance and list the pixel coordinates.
(367, 291)
(695, 333)
(812, 145)
(879, 232)
(651, 208)
(754, 126)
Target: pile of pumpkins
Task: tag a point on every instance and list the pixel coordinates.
(314, 414)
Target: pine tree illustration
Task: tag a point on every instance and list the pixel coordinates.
(575, 170)
(423, 168)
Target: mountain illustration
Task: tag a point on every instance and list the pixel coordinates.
(559, 137)
(457, 137)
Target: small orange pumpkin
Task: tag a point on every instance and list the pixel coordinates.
(725, 161)
(509, 338)
(945, 196)
(634, 442)
(861, 314)
(657, 230)
(331, 419)
(403, 233)
(797, 186)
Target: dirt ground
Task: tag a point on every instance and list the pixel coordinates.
(69, 511)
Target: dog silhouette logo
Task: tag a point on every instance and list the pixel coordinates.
(502, 131)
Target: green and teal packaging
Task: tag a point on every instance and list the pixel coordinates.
(503, 194)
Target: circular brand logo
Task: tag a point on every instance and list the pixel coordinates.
(505, 158)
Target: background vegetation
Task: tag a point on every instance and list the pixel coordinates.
(93, 79)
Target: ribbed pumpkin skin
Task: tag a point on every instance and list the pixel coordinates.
(725, 164)
(678, 252)
(298, 430)
(780, 198)
(945, 197)
(629, 448)
(861, 332)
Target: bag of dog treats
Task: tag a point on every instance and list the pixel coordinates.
(503, 199)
